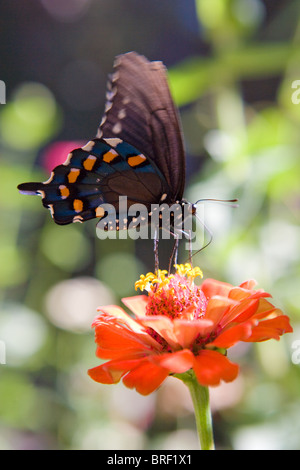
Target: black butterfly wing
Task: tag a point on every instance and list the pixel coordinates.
(140, 110)
(94, 177)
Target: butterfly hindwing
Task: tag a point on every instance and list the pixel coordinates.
(98, 174)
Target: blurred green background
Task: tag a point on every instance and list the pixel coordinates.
(231, 66)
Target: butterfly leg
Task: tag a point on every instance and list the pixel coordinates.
(156, 258)
(174, 255)
(190, 247)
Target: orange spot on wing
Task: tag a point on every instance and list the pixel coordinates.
(100, 211)
(73, 175)
(78, 205)
(64, 191)
(89, 162)
(110, 156)
(136, 160)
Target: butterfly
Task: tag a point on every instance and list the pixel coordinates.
(138, 152)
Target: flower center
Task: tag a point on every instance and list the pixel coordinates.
(175, 296)
(180, 298)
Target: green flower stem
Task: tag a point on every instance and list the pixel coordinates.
(200, 397)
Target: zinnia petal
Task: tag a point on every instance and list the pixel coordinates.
(265, 309)
(164, 326)
(116, 312)
(177, 362)
(232, 335)
(146, 377)
(272, 328)
(137, 304)
(217, 309)
(240, 312)
(211, 287)
(250, 284)
(103, 375)
(238, 293)
(112, 371)
(187, 331)
(115, 339)
(211, 367)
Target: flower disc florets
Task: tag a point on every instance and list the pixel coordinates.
(176, 295)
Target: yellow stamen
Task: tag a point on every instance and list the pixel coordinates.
(187, 270)
(156, 282)
(152, 281)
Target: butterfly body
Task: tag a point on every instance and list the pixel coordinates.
(137, 153)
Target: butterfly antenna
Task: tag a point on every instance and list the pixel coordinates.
(203, 247)
(156, 257)
(230, 202)
(174, 255)
(190, 248)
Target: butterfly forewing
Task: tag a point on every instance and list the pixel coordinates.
(141, 111)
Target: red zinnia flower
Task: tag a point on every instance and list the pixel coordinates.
(180, 326)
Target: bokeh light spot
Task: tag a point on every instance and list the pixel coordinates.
(30, 118)
(23, 331)
(111, 270)
(66, 11)
(13, 266)
(57, 152)
(66, 247)
(72, 304)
